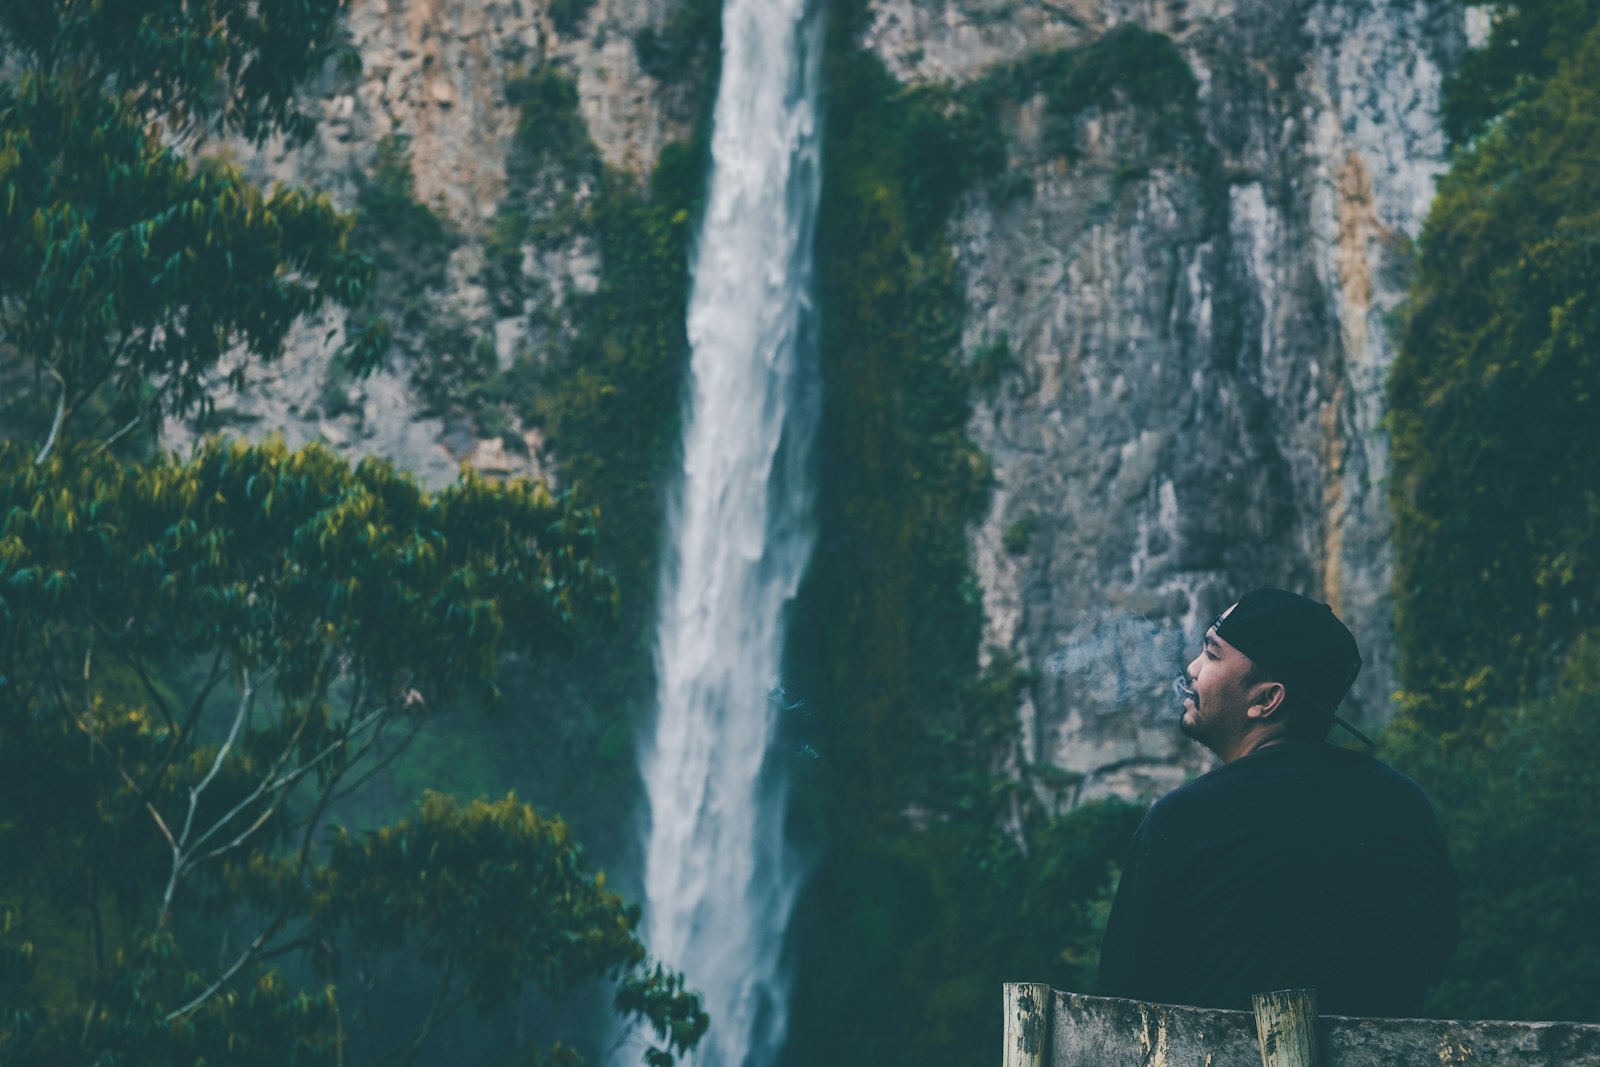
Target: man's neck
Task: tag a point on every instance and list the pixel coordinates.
(1254, 741)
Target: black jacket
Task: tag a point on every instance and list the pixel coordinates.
(1298, 866)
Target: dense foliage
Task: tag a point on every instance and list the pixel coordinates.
(598, 377)
(686, 43)
(1129, 66)
(1517, 801)
(202, 659)
(938, 878)
(1527, 44)
(1497, 506)
(1494, 399)
(606, 392)
(126, 270)
(198, 659)
(612, 405)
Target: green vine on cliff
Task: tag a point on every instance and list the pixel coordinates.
(1128, 67)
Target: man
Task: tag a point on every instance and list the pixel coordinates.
(1295, 864)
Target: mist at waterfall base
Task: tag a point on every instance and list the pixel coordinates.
(720, 878)
(1123, 663)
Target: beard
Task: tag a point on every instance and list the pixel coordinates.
(1195, 725)
(1189, 723)
(1183, 689)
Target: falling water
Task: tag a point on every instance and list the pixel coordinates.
(720, 881)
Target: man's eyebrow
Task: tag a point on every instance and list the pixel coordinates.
(1210, 641)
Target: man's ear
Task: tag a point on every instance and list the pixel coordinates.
(1266, 703)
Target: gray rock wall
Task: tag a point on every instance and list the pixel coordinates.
(435, 72)
(1198, 336)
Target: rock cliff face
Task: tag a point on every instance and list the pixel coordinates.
(434, 74)
(1192, 332)
(1182, 318)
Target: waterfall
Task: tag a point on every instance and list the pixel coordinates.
(720, 880)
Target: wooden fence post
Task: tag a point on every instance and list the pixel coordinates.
(1286, 1024)
(1027, 1025)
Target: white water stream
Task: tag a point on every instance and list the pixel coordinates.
(720, 881)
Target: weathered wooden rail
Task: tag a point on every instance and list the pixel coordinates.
(1049, 1028)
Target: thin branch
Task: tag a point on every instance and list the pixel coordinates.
(254, 951)
(88, 1019)
(55, 426)
(191, 718)
(149, 410)
(367, 984)
(88, 665)
(137, 663)
(304, 941)
(245, 957)
(179, 860)
(96, 920)
(272, 784)
(114, 438)
(214, 677)
(378, 767)
(116, 758)
(58, 688)
(245, 698)
(438, 1011)
(281, 784)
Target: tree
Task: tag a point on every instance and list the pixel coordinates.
(1493, 402)
(1527, 43)
(317, 612)
(1496, 386)
(127, 272)
(199, 658)
(1517, 804)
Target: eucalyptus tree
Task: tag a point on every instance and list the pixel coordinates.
(200, 656)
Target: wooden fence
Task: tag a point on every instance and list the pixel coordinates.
(1049, 1028)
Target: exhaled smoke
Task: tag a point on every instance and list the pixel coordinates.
(1120, 662)
(1181, 689)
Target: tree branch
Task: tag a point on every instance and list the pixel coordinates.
(213, 678)
(179, 859)
(377, 768)
(281, 784)
(438, 1011)
(191, 718)
(245, 957)
(150, 687)
(116, 758)
(55, 425)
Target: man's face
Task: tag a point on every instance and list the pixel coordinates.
(1215, 716)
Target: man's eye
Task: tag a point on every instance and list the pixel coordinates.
(1210, 654)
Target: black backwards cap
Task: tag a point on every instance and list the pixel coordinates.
(1298, 642)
